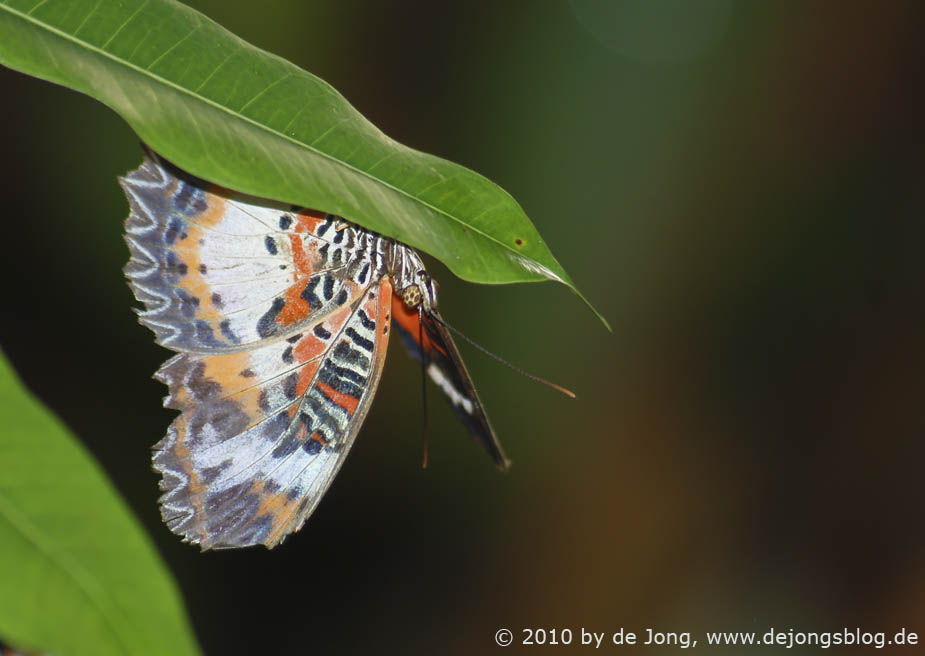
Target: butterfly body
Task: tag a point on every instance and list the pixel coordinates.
(281, 319)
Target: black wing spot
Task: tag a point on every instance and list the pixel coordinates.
(188, 303)
(285, 221)
(190, 199)
(267, 325)
(270, 243)
(309, 295)
(205, 335)
(368, 323)
(359, 340)
(312, 447)
(345, 381)
(174, 228)
(321, 333)
(328, 288)
(363, 273)
(343, 352)
(289, 385)
(225, 327)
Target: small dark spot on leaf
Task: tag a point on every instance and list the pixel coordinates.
(519, 241)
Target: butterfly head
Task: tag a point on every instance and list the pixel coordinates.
(417, 289)
(421, 292)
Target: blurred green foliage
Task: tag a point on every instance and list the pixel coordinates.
(79, 574)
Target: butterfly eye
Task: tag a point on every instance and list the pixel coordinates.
(411, 296)
(421, 273)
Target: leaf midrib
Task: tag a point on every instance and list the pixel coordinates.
(230, 112)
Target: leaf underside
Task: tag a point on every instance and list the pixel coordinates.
(240, 117)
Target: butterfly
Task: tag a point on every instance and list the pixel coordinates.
(280, 317)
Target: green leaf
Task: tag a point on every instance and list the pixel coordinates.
(240, 117)
(79, 575)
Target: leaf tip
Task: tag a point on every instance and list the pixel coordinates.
(594, 310)
(571, 285)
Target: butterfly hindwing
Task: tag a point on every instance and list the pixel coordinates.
(247, 463)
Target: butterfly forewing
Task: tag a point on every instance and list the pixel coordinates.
(218, 271)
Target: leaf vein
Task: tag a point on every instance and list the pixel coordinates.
(170, 50)
(88, 16)
(262, 92)
(126, 22)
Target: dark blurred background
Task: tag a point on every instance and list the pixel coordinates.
(739, 187)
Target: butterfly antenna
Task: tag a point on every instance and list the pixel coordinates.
(425, 362)
(569, 393)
